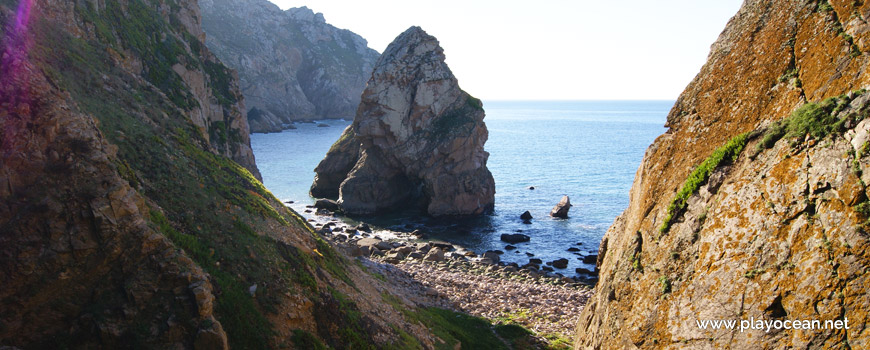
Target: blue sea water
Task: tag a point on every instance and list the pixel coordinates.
(588, 150)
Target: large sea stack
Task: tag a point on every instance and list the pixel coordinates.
(416, 137)
(754, 204)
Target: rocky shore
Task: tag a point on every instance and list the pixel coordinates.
(441, 274)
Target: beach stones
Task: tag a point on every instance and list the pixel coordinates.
(492, 256)
(515, 238)
(561, 209)
(434, 254)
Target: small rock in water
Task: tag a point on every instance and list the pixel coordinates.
(530, 254)
(536, 261)
(321, 125)
(526, 216)
(572, 249)
(591, 259)
(289, 202)
(561, 209)
(531, 187)
(515, 238)
(364, 227)
(509, 247)
(560, 263)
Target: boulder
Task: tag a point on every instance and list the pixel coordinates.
(590, 259)
(561, 209)
(368, 242)
(560, 263)
(434, 254)
(492, 256)
(515, 238)
(364, 227)
(415, 255)
(526, 216)
(424, 247)
(420, 137)
(327, 204)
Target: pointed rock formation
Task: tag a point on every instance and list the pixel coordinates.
(419, 137)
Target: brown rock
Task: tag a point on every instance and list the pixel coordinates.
(774, 233)
(561, 209)
(413, 110)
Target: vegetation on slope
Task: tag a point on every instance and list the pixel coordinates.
(721, 156)
(208, 205)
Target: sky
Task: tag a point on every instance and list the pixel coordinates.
(550, 49)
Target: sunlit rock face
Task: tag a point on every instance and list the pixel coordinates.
(779, 233)
(292, 64)
(420, 139)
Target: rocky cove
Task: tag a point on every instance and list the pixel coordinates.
(133, 215)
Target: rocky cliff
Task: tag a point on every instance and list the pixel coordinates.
(130, 214)
(292, 64)
(416, 137)
(754, 204)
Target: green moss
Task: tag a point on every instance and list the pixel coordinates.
(457, 328)
(221, 83)
(210, 207)
(305, 340)
(664, 284)
(726, 154)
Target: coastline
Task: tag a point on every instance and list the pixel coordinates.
(440, 274)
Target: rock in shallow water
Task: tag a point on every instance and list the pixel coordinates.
(561, 209)
(515, 238)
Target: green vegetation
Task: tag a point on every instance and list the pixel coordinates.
(721, 156)
(665, 284)
(815, 119)
(207, 205)
(305, 340)
(752, 273)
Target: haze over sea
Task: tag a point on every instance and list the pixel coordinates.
(588, 150)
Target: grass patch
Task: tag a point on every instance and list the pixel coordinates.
(664, 284)
(721, 156)
(815, 119)
(210, 206)
(305, 340)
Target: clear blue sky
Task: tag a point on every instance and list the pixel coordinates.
(550, 49)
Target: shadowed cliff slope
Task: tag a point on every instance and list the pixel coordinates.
(292, 64)
(749, 206)
(130, 211)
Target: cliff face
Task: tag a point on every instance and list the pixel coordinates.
(416, 136)
(749, 207)
(127, 218)
(292, 64)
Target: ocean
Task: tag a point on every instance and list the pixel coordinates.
(587, 150)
